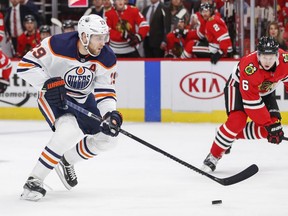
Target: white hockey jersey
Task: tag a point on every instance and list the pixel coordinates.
(58, 56)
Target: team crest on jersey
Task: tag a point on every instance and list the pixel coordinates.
(250, 69)
(285, 57)
(79, 78)
(266, 86)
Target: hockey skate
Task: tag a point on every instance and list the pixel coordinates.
(66, 173)
(33, 189)
(209, 164)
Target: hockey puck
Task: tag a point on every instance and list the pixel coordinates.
(215, 202)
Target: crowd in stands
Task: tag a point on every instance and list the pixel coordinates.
(156, 28)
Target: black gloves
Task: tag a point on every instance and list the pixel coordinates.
(275, 133)
(111, 124)
(134, 39)
(180, 32)
(216, 56)
(3, 85)
(55, 92)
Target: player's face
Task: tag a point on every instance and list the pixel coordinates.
(206, 14)
(273, 31)
(119, 4)
(267, 60)
(97, 42)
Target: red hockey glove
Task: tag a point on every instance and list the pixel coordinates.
(111, 124)
(55, 92)
(275, 133)
(3, 85)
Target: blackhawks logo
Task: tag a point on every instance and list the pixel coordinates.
(285, 57)
(250, 69)
(123, 25)
(266, 86)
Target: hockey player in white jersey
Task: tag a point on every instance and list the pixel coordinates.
(81, 68)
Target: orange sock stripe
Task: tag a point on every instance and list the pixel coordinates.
(82, 151)
(49, 159)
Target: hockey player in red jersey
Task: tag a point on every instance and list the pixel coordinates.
(81, 68)
(250, 92)
(5, 70)
(1, 27)
(123, 20)
(216, 32)
(29, 38)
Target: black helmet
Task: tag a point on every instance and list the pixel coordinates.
(267, 45)
(67, 24)
(206, 6)
(44, 29)
(29, 18)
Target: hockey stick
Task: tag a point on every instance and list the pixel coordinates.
(18, 104)
(56, 22)
(247, 173)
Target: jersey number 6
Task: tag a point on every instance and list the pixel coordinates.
(245, 85)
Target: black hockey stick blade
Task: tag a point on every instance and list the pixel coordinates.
(20, 103)
(247, 173)
(285, 138)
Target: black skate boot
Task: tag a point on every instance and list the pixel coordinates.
(33, 189)
(66, 173)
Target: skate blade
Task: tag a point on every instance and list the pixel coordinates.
(62, 178)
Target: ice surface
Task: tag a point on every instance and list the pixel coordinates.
(133, 180)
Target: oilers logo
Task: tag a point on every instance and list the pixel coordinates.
(79, 78)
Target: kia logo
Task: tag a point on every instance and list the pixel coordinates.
(203, 85)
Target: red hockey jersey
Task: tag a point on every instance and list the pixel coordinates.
(119, 21)
(26, 42)
(217, 35)
(5, 66)
(255, 82)
(1, 27)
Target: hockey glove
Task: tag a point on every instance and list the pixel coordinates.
(180, 33)
(135, 39)
(55, 92)
(275, 133)
(111, 124)
(216, 56)
(3, 85)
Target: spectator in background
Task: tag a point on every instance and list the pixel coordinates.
(159, 18)
(29, 38)
(14, 21)
(68, 26)
(274, 31)
(6, 68)
(123, 20)
(98, 8)
(107, 4)
(45, 32)
(178, 11)
(31, 5)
